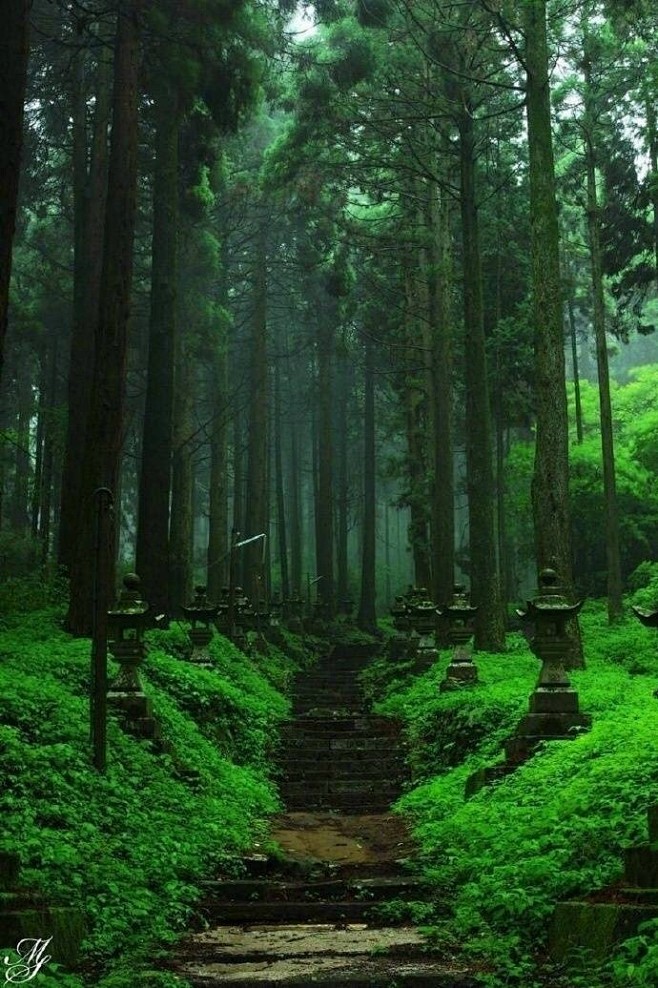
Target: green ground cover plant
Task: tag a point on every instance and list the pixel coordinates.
(557, 826)
(128, 848)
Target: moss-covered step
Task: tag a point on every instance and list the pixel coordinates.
(63, 924)
(25, 917)
(594, 927)
(585, 932)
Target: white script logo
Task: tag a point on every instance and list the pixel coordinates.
(31, 960)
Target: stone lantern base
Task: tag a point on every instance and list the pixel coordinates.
(554, 716)
(426, 653)
(459, 674)
(200, 638)
(396, 648)
(135, 714)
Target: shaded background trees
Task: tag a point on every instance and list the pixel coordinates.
(328, 338)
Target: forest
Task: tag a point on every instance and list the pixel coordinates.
(304, 306)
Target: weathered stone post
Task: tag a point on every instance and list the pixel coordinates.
(200, 612)
(459, 616)
(126, 625)
(423, 617)
(396, 648)
(554, 707)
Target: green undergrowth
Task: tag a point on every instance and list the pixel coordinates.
(555, 828)
(129, 848)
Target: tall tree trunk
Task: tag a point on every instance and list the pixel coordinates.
(325, 506)
(89, 203)
(613, 557)
(256, 517)
(280, 494)
(489, 626)
(576, 374)
(152, 553)
(550, 481)
(104, 437)
(218, 534)
(296, 521)
(49, 440)
(13, 76)
(42, 412)
(440, 395)
(238, 493)
(342, 587)
(367, 616)
(19, 513)
(181, 527)
(415, 420)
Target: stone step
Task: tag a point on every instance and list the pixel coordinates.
(291, 911)
(344, 756)
(316, 954)
(338, 787)
(356, 804)
(371, 888)
(641, 866)
(315, 775)
(357, 744)
(344, 723)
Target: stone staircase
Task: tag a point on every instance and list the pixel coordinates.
(337, 908)
(336, 755)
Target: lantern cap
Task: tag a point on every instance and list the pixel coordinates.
(648, 618)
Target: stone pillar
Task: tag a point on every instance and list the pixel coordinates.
(126, 625)
(459, 617)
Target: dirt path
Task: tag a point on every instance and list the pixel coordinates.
(333, 838)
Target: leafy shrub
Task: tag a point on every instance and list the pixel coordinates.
(129, 847)
(557, 826)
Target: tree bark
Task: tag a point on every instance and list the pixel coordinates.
(256, 508)
(342, 578)
(485, 589)
(296, 522)
(181, 527)
(104, 438)
(440, 395)
(280, 493)
(89, 202)
(152, 552)
(14, 49)
(325, 506)
(415, 407)
(550, 494)
(367, 616)
(613, 556)
(550, 481)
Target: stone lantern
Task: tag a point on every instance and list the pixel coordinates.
(126, 625)
(396, 648)
(554, 708)
(200, 612)
(422, 618)
(648, 618)
(272, 630)
(293, 611)
(459, 616)
(222, 619)
(243, 620)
